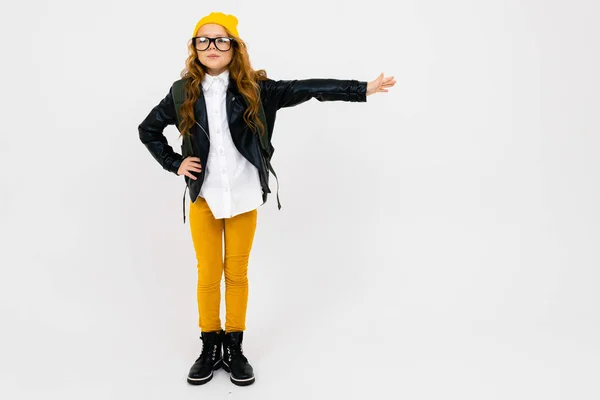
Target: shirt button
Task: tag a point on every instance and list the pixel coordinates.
(227, 189)
(218, 131)
(223, 170)
(221, 151)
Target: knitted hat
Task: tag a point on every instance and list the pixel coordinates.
(228, 21)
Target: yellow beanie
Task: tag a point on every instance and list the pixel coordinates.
(228, 21)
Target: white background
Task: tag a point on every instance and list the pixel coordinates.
(437, 242)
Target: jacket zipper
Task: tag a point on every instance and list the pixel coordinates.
(203, 175)
(203, 167)
(203, 130)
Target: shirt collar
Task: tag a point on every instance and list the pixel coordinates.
(209, 80)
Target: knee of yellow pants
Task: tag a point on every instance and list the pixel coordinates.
(210, 272)
(208, 287)
(232, 279)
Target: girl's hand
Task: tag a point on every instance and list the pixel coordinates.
(189, 164)
(380, 84)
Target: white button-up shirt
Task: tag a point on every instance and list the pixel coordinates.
(231, 184)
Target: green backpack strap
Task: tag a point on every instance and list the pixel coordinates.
(266, 146)
(264, 138)
(178, 94)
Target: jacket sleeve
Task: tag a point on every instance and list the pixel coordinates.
(288, 93)
(151, 134)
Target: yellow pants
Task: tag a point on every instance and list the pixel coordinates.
(207, 235)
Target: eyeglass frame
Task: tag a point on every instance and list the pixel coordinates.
(213, 40)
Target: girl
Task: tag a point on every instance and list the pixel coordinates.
(226, 109)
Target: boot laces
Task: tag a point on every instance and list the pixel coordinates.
(209, 350)
(235, 351)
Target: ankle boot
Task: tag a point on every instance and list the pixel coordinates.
(210, 359)
(234, 361)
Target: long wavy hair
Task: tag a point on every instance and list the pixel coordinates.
(240, 69)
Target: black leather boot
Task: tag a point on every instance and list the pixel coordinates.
(210, 359)
(234, 361)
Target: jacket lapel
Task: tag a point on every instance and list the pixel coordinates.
(200, 111)
(232, 95)
(241, 134)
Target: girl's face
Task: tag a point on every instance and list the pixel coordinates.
(218, 55)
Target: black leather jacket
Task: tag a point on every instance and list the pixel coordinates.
(275, 94)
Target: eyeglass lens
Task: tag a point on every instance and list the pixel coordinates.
(222, 43)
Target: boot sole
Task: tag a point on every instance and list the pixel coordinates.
(202, 381)
(239, 382)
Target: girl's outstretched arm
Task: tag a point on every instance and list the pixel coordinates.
(289, 93)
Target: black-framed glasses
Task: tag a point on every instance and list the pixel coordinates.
(222, 43)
